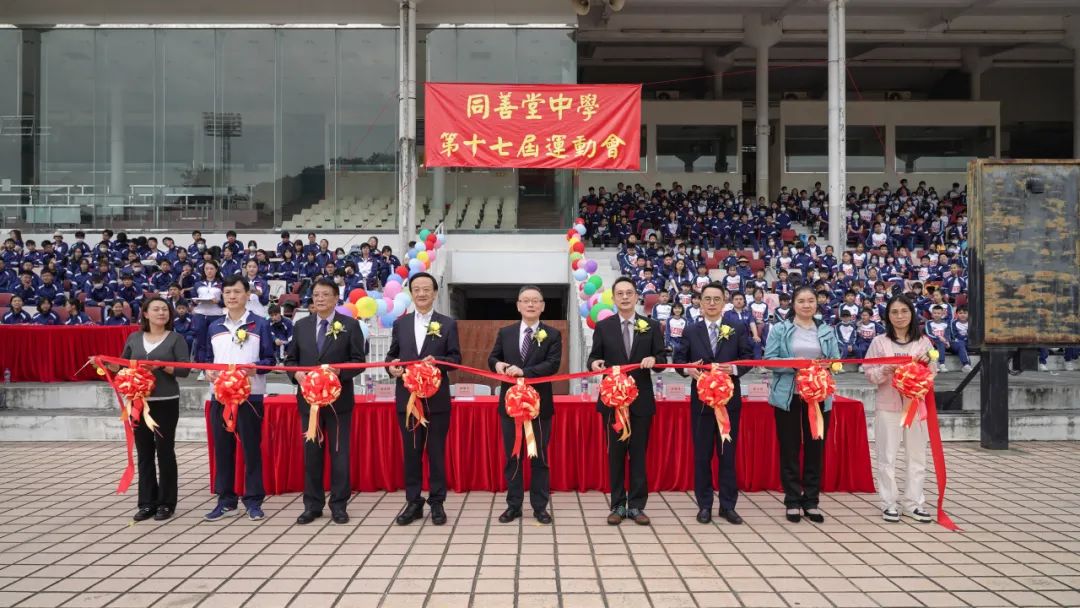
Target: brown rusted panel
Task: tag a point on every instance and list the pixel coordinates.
(1026, 245)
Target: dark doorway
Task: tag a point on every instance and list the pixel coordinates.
(493, 302)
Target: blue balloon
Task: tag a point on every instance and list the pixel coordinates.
(420, 246)
(416, 265)
(402, 301)
(584, 309)
(580, 229)
(394, 278)
(380, 306)
(580, 274)
(375, 294)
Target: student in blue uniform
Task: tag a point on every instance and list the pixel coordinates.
(740, 313)
(183, 324)
(116, 314)
(45, 314)
(867, 330)
(99, 292)
(76, 314)
(281, 328)
(939, 330)
(846, 334)
(208, 308)
(26, 290)
(287, 269)
(960, 337)
(674, 329)
(16, 315)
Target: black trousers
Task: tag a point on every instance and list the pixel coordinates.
(337, 437)
(432, 439)
(707, 442)
(249, 417)
(801, 489)
(155, 492)
(513, 472)
(635, 447)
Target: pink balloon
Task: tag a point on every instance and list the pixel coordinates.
(593, 299)
(391, 290)
(603, 314)
(389, 304)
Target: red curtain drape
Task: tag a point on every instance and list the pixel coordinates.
(44, 353)
(577, 453)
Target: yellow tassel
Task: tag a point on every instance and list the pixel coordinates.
(530, 440)
(150, 422)
(313, 424)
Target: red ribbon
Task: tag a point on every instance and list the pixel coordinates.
(715, 390)
(815, 385)
(617, 391)
(936, 447)
(523, 405)
(913, 380)
(231, 388)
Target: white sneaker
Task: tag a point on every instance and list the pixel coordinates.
(965, 369)
(1043, 368)
(860, 369)
(918, 514)
(1070, 366)
(202, 376)
(942, 369)
(890, 515)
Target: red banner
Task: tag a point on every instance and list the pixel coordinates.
(533, 126)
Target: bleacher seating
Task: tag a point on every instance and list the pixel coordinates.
(380, 213)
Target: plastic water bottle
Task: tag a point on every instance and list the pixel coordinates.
(584, 389)
(659, 387)
(369, 385)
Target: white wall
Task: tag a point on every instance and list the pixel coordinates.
(515, 259)
(674, 113)
(889, 115)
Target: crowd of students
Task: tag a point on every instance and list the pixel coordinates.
(117, 273)
(907, 240)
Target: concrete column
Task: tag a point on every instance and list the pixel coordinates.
(718, 64)
(761, 124)
(762, 36)
(837, 124)
(116, 141)
(975, 65)
(406, 194)
(1072, 40)
(438, 189)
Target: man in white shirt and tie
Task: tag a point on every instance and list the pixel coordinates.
(424, 335)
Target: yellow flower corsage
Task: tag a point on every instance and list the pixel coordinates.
(335, 328)
(933, 354)
(642, 326)
(240, 336)
(434, 328)
(726, 331)
(540, 337)
(837, 367)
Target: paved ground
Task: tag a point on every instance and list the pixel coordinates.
(67, 540)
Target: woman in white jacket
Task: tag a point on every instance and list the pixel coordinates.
(903, 337)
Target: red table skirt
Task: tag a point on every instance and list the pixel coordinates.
(56, 353)
(576, 453)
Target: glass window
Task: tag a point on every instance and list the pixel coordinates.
(11, 124)
(187, 158)
(643, 154)
(366, 142)
(806, 149)
(697, 148)
(307, 120)
(941, 149)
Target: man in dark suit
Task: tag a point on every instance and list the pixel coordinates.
(707, 341)
(528, 349)
(427, 335)
(325, 337)
(622, 339)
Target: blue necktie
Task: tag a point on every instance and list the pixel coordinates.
(320, 338)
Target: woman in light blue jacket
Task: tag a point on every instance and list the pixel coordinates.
(801, 336)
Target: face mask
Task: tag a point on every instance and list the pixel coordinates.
(341, 256)
(201, 246)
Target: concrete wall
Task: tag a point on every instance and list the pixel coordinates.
(889, 115)
(674, 113)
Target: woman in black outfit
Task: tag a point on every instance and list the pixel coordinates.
(158, 342)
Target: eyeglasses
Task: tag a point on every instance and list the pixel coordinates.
(711, 300)
(531, 301)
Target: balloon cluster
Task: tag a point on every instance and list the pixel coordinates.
(596, 301)
(231, 388)
(392, 302)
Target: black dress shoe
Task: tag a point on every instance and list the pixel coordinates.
(163, 513)
(543, 517)
(438, 514)
(509, 515)
(308, 516)
(814, 515)
(704, 516)
(730, 515)
(793, 515)
(144, 513)
(340, 517)
(412, 512)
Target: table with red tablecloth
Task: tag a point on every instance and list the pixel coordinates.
(58, 353)
(577, 453)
